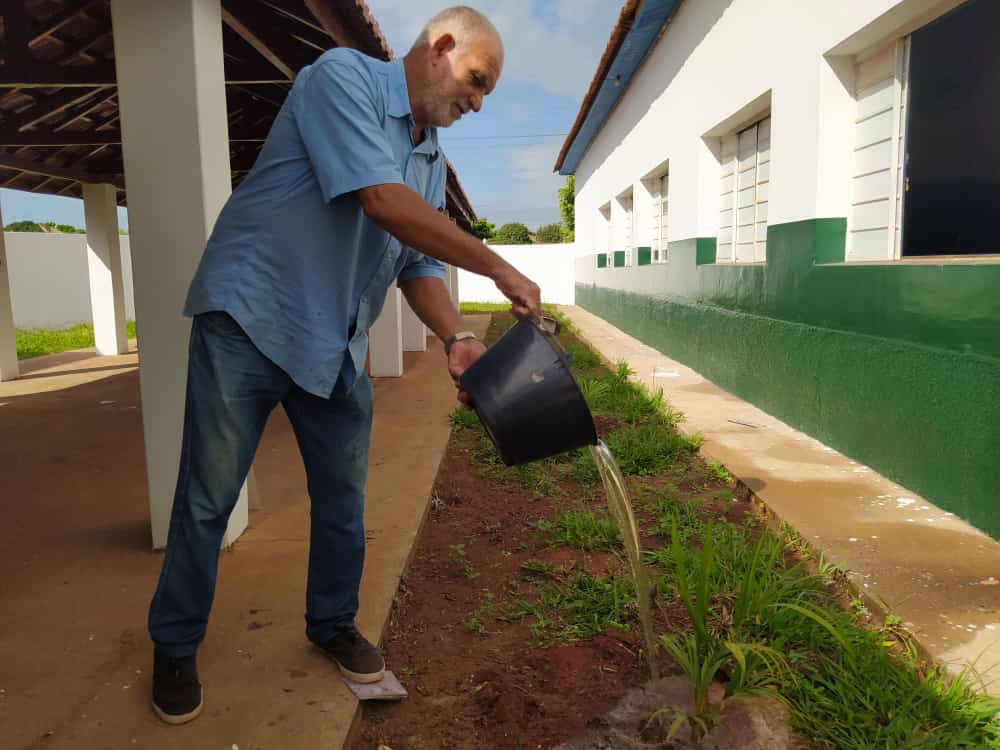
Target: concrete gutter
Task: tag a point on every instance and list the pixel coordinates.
(902, 553)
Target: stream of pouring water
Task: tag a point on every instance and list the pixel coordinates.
(621, 511)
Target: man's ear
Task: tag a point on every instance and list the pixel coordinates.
(443, 44)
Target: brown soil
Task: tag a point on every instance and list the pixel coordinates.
(477, 675)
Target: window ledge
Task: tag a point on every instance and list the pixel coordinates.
(925, 260)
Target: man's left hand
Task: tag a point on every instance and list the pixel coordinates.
(463, 354)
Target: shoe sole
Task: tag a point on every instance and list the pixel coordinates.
(177, 719)
(363, 679)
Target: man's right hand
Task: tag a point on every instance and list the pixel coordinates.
(523, 293)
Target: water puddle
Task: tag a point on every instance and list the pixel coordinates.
(621, 511)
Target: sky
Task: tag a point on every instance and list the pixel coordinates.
(504, 154)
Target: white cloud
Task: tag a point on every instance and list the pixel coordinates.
(560, 57)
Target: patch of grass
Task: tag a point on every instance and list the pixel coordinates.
(583, 469)
(536, 568)
(582, 357)
(465, 418)
(575, 528)
(580, 608)
(718, 472)
(39, 341)
(462, 564)
(485, 609)
(647, 449)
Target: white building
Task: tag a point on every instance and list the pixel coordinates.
(798, 199)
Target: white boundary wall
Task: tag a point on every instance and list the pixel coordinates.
(552, 267)
(49, 285)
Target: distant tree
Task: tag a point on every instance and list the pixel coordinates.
(514, 233)
(23, 226)
(45, 226)
(549, 233)
(484, 229)
(567, 207)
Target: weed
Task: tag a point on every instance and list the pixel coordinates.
(461, 562)
(647, 449)
(537, 568)
(486, 608)
(580, 608)
(574, 528)
(582, 357)
(719, 472)
(415, 742)
(465, 418)
(622, 370)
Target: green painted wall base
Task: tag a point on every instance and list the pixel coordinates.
(895, 365)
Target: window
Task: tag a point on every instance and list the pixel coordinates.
(602, 237)
(926, 150)
(658, 193)
(875, 218)
(746, 171)
(625, 229)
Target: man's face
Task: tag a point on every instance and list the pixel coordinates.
(461, 79)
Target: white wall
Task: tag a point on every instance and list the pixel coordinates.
(720, 63)
(552, 267)
(49, 287)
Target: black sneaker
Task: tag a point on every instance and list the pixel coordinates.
(359, 660)
(176, 690)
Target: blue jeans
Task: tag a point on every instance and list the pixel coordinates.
(231, 390)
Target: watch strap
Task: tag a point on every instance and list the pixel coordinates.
(460, 336)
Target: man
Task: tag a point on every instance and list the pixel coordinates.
(342, 201)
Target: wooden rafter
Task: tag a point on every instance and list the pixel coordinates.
(255, 39)
(48, 170)
(86, 111)
(46, 107)
(60, 19)
(74, 47)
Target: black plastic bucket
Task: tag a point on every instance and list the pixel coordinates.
(527, 398)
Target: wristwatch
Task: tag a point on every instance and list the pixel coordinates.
(460, 336)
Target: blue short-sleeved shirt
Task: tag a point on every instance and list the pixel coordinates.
(293, 258)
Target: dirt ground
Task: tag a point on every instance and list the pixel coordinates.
(478, 675)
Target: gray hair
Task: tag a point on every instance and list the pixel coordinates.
(461, 21)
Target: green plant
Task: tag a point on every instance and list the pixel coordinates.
(457, 556)
(574, 528)
(514, 233)
(549, 233)
(701, 653)
(647, 449)
(582, 357)
(567, 206)
(718, 472)
(483, 229)
(464, 418)
(536, 568)
(579, 608)
(475, 622)
(623, 370)
(40, 341)
(415, 741)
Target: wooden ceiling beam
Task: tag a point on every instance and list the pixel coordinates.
(60, 19)
(47, 106)
(254, 39)
(48, 170)
(86, 111)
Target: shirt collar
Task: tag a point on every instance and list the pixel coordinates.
(399, 106)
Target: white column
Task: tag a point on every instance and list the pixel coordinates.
(414, 330)
(452, 283)
(172, 98)
(104, 262)
(385, 338)
(8, 341)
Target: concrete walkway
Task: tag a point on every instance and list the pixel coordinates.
(937, 573)
(77, 570)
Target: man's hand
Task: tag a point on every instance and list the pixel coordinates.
(523, 293)
(463, 354)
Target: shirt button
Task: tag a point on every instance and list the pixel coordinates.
(365, 299)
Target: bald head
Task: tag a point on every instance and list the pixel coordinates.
(466, 25)
(453, 65)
